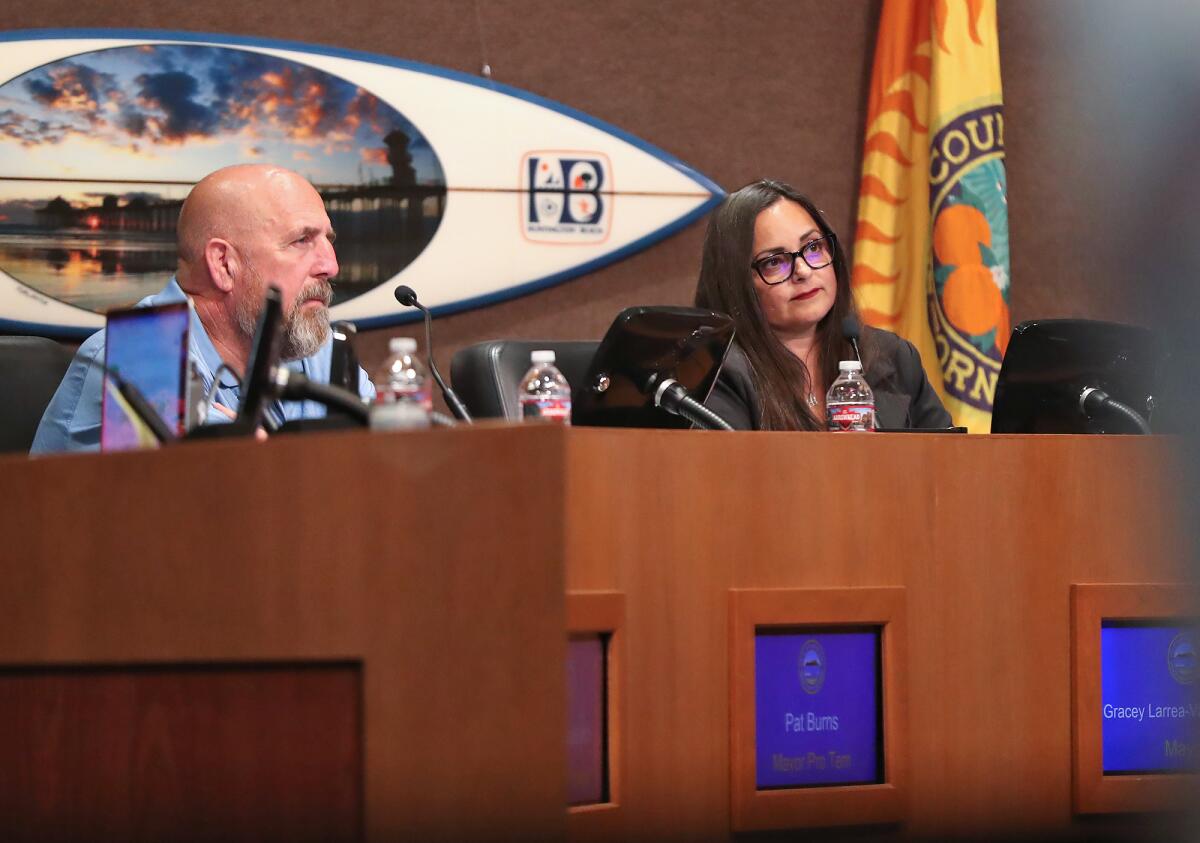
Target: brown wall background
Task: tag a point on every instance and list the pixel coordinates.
(731, 88)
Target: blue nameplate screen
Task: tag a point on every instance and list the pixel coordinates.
(818, 712)
(1149, 701)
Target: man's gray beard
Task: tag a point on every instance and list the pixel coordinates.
(304, 332)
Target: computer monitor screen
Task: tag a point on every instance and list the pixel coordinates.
(643, 346)
(1050, 361)
(818, 707)
(1149, 697)
(148, 348)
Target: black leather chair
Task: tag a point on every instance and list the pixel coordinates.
(31, 369)
(486, 375)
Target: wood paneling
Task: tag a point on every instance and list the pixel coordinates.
(399, 552)
(986, 536)
(436, 561)
(267, 752)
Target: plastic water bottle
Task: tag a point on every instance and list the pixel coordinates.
(403, 396)
(850, 404)
(544, 392)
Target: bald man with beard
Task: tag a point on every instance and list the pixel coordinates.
(240, 228)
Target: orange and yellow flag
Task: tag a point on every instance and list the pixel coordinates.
(931, 248)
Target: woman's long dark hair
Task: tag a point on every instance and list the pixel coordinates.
(727, 285)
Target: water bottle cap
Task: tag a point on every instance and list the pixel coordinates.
(543, 355)
(402, 345)
(850, 366)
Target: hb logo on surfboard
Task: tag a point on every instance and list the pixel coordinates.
(565, 198)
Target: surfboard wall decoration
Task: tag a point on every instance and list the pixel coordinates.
(467, 190)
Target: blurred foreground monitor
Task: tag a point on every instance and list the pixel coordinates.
(1049, 362)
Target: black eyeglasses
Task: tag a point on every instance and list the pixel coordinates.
(777, 268)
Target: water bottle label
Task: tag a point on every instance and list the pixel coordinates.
(412, 394)
(555, 409)
(851, 417)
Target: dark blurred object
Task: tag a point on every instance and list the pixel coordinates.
(258, 386)
(264, 355)
(31, 369)
(486, 375)
(644, 348)
(343, 373)
(290, 385)
(1073, 375)
(343, 364)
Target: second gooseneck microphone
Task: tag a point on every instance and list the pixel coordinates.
(408, 297)
(673, 397)
(850, 331)
(1094, 401)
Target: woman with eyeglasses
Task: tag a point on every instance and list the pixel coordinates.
(772, 262)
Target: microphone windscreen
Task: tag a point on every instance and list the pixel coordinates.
(850, 327)
(406, 295)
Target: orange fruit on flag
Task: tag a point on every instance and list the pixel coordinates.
(1003, 330)
(972, 301)
(957, 233)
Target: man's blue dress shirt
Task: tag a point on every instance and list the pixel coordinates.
(72, 420)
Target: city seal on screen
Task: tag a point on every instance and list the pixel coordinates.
(812, 666)
(1181, 658)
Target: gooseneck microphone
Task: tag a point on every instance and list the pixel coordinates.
(850, 331)
(408, 297)
(673, 397)
(1093, 402)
